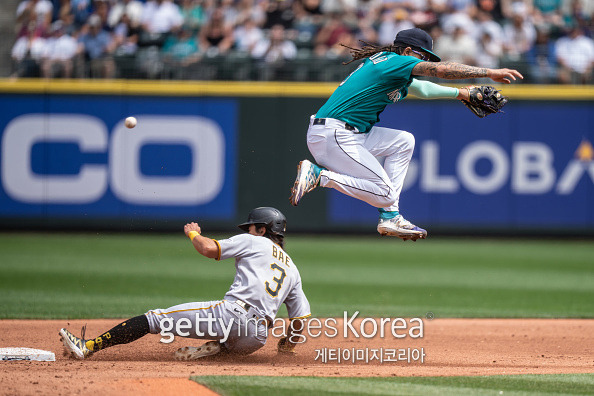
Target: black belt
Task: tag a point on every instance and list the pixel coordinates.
(322, 121)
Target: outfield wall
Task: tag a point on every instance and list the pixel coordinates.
(212, 151)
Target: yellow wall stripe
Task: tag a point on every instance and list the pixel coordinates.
(250, 88)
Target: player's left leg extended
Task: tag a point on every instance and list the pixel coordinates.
(127, 331)
(396, 148)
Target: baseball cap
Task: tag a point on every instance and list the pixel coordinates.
(418, 38)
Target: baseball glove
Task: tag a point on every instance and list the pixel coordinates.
(484, 100)
(284, 346)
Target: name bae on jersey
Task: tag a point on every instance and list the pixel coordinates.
(280, 255)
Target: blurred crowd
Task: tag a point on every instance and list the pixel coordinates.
(549, 41)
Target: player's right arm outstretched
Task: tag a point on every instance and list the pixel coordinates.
(459, 71)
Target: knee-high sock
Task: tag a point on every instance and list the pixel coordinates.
(127, 331)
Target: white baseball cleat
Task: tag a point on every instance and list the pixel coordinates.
(194, 353)
(401, 228)
(308, 178)
(74, 346)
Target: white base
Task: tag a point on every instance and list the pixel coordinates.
(18, 353)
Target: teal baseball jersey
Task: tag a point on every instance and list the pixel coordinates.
(380, 80)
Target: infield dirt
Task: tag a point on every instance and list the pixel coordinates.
(452, 346)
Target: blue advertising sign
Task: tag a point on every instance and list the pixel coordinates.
(530, 167)
(72, 156)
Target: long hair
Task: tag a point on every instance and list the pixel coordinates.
(278, 239)
(369, 50)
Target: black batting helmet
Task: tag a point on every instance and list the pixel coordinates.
(274, 221)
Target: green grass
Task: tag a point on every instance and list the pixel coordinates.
(120, 275)
(560, 384)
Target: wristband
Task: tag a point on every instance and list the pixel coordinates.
(192, 234)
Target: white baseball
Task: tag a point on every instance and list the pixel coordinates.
(130, 122)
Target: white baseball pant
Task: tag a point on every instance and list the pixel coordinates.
(247, 334)
(367, 166)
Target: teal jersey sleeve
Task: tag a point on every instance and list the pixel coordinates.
(381, 79)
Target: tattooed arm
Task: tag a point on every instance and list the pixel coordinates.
(459, 71)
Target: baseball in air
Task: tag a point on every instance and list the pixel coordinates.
(130, 122)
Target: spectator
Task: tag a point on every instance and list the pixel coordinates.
(575, 54)
(511, 8)
(59, 53)
(161, 17)
(275, 49)
(425, 16)
(339, 49)
(181, 51)
(28, 51)
(248, 9)
(65, 13)
(392, 22)
(365, 32)
(310, 9)
(489, 51)
(450, 22)
(369, 10)
(97, 46)
(460, 6)
(518, 37)
(102, 10)
(82, 11)
(230, 12)
(39, 10)
(278, 12)
(547, 14)
(247, 36)
(346, 8)
(133, 9)
(126, 35)
(486, 24)
(329, 33)
(308, 19)
(216, 37)
(458, 46)
(541, 59)
(491, 7)
(580, 12)
(193, 13)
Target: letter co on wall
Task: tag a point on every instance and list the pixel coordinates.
(72, 163)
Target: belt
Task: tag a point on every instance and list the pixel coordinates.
(243, 305)
(247, 306)
(322, 121)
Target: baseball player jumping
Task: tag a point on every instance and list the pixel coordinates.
(368, 162)
(265, 278)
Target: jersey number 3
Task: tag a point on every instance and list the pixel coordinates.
(279, 281)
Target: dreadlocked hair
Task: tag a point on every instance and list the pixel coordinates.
(369, 49)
